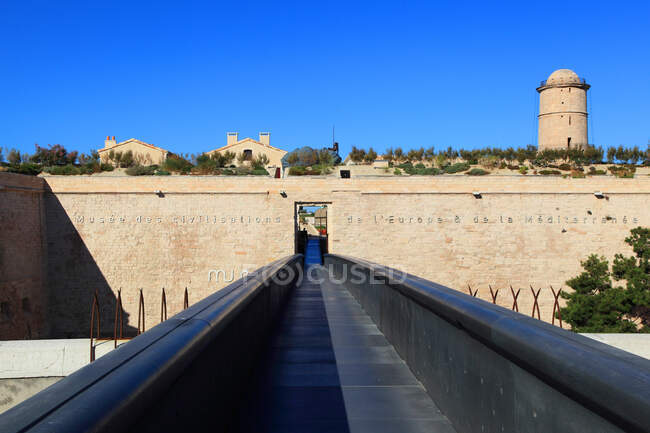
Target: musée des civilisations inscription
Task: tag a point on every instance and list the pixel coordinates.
(373, 219)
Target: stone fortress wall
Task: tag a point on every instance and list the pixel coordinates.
(107, 233)
(23, 258)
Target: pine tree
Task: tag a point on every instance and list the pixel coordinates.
(596, 305)
(635, 271)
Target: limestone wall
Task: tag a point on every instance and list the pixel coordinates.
(23, 301)
(106, 233)
(123, 235)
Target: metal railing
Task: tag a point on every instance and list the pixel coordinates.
(581, 81)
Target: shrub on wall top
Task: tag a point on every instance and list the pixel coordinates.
(477, 172)
(457, 167)
(550, 172)
(177, 164)
(140, 170)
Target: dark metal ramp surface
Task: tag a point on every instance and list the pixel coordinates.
(272, 353)
(328, 368)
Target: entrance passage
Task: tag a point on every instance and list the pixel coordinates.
(311, 220)
(329, 368)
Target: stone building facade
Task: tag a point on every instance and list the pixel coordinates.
(143, 153)
(562, 120)
(251, 148)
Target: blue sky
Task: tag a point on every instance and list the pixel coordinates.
(182, 74)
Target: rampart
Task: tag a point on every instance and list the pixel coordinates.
(109, 233)
(23, 258)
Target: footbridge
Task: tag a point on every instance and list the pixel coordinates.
(336, 344)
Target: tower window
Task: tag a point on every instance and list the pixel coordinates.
(569, 120)
(568, 142)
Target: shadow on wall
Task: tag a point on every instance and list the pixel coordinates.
(22, 262)
(72, 278)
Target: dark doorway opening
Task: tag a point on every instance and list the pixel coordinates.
(311, 220)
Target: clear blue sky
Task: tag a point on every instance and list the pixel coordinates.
(182, 74)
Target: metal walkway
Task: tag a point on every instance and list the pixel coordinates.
(269, 353)
(328, 368)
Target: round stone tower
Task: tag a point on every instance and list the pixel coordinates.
(562, 111)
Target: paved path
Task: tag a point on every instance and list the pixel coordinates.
(330, 369)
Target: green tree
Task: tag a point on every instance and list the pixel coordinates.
(635, 271)
(260, 161)
(451, 153)
(611, 155)
(14, 157)
(293, 158)
(127, 159)
(429, 154)
(177, 164)
(370, 156)
(622, 154)
(596, 305)
(388, 155)
(117, 157)
(226, 158)
(635, 155)
(53, 155)
(441, 160)
(357, 155)
(325, 157)
(399, 155)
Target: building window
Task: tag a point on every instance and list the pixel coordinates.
(248, 154)
(569, 120)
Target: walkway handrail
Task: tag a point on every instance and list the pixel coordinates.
(610, 382)
(115, 390)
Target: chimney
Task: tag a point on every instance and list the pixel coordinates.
(265, 138)
(233, 137)
(109, 142)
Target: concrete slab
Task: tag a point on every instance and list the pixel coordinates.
(637, 344)
(29, 366)
(47, 358)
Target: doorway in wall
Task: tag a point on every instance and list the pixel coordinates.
(310, 220)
